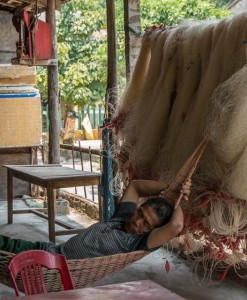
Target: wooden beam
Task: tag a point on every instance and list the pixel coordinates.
(132, 20)
(43, 3)
(112, 82)
(53, 105)
(38, 62)
(7, 4)
(127, 38)
(26, 4)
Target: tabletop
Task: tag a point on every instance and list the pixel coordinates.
(49, 172)
(135, 290)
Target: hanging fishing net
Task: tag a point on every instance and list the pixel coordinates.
(190, 82)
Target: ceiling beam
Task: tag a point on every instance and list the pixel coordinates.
(43, 3)
(26, 4)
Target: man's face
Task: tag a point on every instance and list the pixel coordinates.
(143, 220)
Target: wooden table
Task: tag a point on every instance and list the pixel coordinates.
(50, 177)
(136, 290)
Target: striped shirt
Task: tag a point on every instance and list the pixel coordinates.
(103, 238)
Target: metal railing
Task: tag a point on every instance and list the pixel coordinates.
(85, 159)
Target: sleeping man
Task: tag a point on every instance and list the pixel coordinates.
(131, 228)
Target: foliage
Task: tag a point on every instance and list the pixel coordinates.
(82, 43)
(171, 12)
(42, 81)
(82, 54)
(222, 3)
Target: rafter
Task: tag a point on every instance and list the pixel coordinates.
(13, 5)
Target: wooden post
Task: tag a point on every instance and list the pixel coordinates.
(112, 82)
(127, 39)
(132, 29)
(53, 104)
(108, 202)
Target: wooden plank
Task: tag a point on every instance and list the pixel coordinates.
(12, 72)
(30, 210)
(79, 182)
(40, 213)
(15, 150)
(29, 79)
(66, 232)
(16, 6)
(44, 174)
(38, 62)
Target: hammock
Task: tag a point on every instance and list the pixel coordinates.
(86, 271)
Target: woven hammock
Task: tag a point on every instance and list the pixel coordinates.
(86, 271)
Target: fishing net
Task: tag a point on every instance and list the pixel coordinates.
(193, 85)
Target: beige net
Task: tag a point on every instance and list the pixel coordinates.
(194, 87)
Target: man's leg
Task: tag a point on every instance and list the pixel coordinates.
(17, 245)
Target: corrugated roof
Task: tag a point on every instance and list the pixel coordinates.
(13, 6)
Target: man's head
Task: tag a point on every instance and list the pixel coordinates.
(154, 213)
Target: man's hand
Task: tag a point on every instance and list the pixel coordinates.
(185, 189)
(184, 193)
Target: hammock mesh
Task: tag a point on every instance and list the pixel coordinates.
(84, 272)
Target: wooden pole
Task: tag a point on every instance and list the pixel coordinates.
(112, 82)
(53, 104)
(127, 39)
(132, 30)
(108, 167)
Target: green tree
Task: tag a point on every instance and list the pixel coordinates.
(82, 42)
(222, 3)
(171, 12)
(82, 53)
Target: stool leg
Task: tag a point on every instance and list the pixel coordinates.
(10, 196)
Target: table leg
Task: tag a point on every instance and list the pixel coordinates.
(100, 203)
(51, 204)
(10, 196)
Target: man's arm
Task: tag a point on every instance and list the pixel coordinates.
(142, 188)
(146, 188)
(164, 234)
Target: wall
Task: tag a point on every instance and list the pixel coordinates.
(11, 76)
(8, 38)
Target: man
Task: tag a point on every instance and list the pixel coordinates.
(131, 228)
